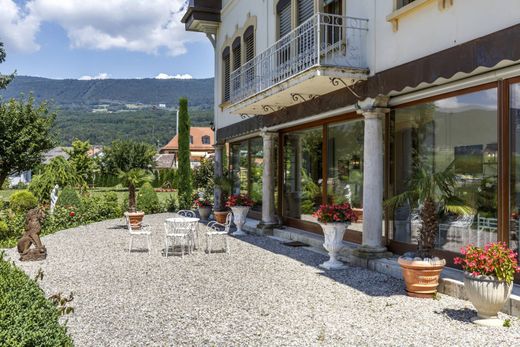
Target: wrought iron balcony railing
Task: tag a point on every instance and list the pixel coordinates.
(322, 40)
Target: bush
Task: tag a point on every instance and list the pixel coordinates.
(98, 208)
(27, 318)
(22, 201)
(69, 198)
(147, 199)
(4, 229)
(171, 204)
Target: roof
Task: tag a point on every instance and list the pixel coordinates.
(197, 145)
(164, 161)
(54, 153)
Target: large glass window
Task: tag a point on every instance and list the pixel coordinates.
(303, 173)
(240, 167)
(257, 169)
(514, 225)
(459, 133)
(345, 166)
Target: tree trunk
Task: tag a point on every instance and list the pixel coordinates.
(429, 229)
(131, 198)
(3, 177)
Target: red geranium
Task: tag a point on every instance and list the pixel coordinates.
(495, 259)
(239, 200)
(72, 213)
(341, 213)
(201, 202)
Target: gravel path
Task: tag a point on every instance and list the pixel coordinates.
(264, 293)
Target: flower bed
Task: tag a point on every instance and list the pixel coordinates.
(27, 318)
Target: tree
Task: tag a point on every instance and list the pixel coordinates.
(4, 80)
(124, 155)
(59, 171)
(132, 179)
(184, 171)
(25, 134)
(80, 160)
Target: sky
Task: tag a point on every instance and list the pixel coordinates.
(98, 39)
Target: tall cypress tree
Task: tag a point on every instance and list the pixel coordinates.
(184, 171)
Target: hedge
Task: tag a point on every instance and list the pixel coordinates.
(27, 318)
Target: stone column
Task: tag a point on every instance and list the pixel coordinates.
(373, 110)
(219, 157)
(269, 219)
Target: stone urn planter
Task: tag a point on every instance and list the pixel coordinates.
(333, 233)
(421, 277)
(220, 216)
(204, 212)
(488, 295)
(239, 218)
(135, 218)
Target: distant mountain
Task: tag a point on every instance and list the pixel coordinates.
(104, 110)
(71, 93)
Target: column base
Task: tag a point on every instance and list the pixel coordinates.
(266, 228)
(367, 252)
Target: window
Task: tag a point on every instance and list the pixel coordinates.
(237, 61)
(459, 135)
(249, 43)
(305, 10)
(226, 71)
(514, 209)
(191, 140)
(205, 140)
(403, 3)
(284, 17)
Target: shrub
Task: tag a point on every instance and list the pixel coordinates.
(147, 199)
(171, 204)
(69, 198)
(4, 229)
(27, 318)
(22, 201)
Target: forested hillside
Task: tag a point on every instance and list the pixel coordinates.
(104, 110)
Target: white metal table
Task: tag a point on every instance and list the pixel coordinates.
(183, 228)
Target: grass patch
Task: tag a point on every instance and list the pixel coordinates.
(27, 318)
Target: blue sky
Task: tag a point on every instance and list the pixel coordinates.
(101, 39)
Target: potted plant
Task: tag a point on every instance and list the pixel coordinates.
(225, 185)
(240, 205)
(334, 220)
(132, 179)
(488, 279)
(432, 194)
(204, 206)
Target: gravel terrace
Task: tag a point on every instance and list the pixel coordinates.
(263, 293)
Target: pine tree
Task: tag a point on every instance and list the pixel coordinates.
(184, 171)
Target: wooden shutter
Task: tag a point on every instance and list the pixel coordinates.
(237, 54)
(249, 43)
(226, 71)
(305, 10)
(284, 17)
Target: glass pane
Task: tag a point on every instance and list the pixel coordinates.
(257, 169)
(345, 167)
(302, 173)
(239, 167)
(514, 225)
(458, 134)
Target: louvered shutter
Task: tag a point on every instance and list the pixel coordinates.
(284, 17)
(237, 54)
(249, 43)
(305, 10)
(226, 70)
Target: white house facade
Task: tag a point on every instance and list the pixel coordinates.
(326, 101)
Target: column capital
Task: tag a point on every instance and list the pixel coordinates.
(268, 135)
(373, 107)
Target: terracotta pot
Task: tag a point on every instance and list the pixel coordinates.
(421, 277)
(359, 213)
(204, 212)
(220, 216)
(136, 219)
(487, 294)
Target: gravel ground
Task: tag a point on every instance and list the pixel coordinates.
(263, 293)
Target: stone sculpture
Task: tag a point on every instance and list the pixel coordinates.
(54, 198)
(32, 237)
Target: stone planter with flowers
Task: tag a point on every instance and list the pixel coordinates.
(204, 206)
(240, 205)
(334, 220)
(488, 279)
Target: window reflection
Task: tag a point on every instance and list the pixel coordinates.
(460, 132)
(514, 225)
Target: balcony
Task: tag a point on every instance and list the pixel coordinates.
(325, 53)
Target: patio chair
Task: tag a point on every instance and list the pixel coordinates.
(215, 229)
(181, 231)
(187, 213)
(144, 230)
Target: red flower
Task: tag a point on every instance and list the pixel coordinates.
(335, 213)
(72, 213)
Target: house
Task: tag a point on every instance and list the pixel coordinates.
(333, 100)
(201, 146)
(25, 177)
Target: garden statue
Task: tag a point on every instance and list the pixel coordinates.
(32, 237)
(54, 197)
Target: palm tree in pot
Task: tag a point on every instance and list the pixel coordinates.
(132, 179)
(225, 184)
(432, 194)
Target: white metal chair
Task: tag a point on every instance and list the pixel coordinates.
(144, 230)
(217, 229)
(181, 230)
(187, 213)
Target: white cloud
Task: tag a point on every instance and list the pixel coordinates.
(149, 26)
(99, 76)
(18, 28)
(163, 76)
